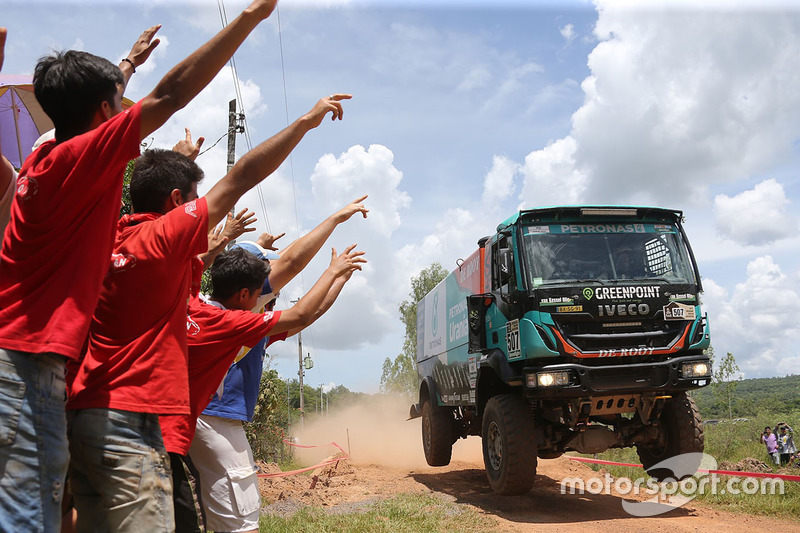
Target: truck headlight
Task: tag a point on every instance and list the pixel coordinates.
(548, 379)
(696, 370)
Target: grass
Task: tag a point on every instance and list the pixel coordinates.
(405, 513)
(727, 441)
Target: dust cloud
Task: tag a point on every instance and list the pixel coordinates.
(375, 431)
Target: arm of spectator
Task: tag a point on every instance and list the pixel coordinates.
(187, 147)
(139, 53)
(331, 297)
(3, 34)
(265, 158)
(267, 241)
(305, 311)
(191, 75)
(218, 238)
(297, 255)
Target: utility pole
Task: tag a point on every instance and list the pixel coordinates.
(232, 131)
(300, 370)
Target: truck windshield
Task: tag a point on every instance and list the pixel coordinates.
(560, 253)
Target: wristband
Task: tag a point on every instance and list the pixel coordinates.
(131, 63)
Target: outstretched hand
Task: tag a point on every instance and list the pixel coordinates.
(267, 241)
(349, 210)
(144, 46)
(347, 262)
(323, 106)
(187, 147)
(263, 8)
(235, 227)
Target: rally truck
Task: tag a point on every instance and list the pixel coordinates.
(570, 329)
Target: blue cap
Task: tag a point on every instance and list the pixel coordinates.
(257, 250)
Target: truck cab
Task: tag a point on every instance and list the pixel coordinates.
(571, 328)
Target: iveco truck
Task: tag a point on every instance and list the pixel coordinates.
(570, 329)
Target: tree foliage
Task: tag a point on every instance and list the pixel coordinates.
(724, 381)
(399, 376)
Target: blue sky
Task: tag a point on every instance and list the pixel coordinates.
(464, 112)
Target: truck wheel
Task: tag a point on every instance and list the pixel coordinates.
(438, 434)
(682, 433)
(509, 444)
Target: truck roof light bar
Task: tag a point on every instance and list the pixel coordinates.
(609, 211)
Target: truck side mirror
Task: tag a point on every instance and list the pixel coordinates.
(506, 264)
(477, 304)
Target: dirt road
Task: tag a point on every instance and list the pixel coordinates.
(350, 486)
(387, 460)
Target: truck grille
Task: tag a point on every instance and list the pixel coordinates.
(591, 335)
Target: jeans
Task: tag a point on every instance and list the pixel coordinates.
(33, 441)
(120, 473)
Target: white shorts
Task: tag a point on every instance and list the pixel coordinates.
(228, 474)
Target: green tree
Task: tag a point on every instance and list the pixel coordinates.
(399, 376)
(265, 432)
(725, 379)
(127, 207)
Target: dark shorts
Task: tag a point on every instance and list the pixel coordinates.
(189, 515)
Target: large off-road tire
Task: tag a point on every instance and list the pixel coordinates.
(438, 434)
(682, 430)
(509, 444)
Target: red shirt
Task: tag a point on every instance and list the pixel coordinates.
(60, 236)
(215, 336)
(136, 360)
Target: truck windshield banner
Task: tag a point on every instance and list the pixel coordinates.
(599, 228)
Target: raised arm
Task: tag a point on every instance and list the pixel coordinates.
(191, 75)
(218, 238)
(304, 312)
(265, 158)
(331, 297)
(139, 53)
(297, 255)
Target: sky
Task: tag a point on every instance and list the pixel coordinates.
(465, 112)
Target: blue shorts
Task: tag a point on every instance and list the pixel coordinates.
(33, 440)
(119, 473)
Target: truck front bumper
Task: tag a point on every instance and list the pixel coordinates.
(570, 380)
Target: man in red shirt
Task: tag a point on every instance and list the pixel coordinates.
(57, 244)
(217, 328)
(135, 367)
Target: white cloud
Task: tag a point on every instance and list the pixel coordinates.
(756, 322)
(678, 101)
(499, 183)
(552, 177)
(568, 32)
(757, 216)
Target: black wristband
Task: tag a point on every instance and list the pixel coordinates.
(131, 62)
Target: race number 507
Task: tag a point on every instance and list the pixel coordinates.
(512, 339)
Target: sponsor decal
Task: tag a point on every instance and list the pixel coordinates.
(623, 310)
(569, 309)
(435, 315)
(602, 228)
(512, 339)
(122, 262)
(192, 329)
(27, 188)
(687, 296)
(538, 229)
(625, 352)
(662, 228)
(191, 208)
(676, 311)
(556, 301)
(625, 293)
(588, 293)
